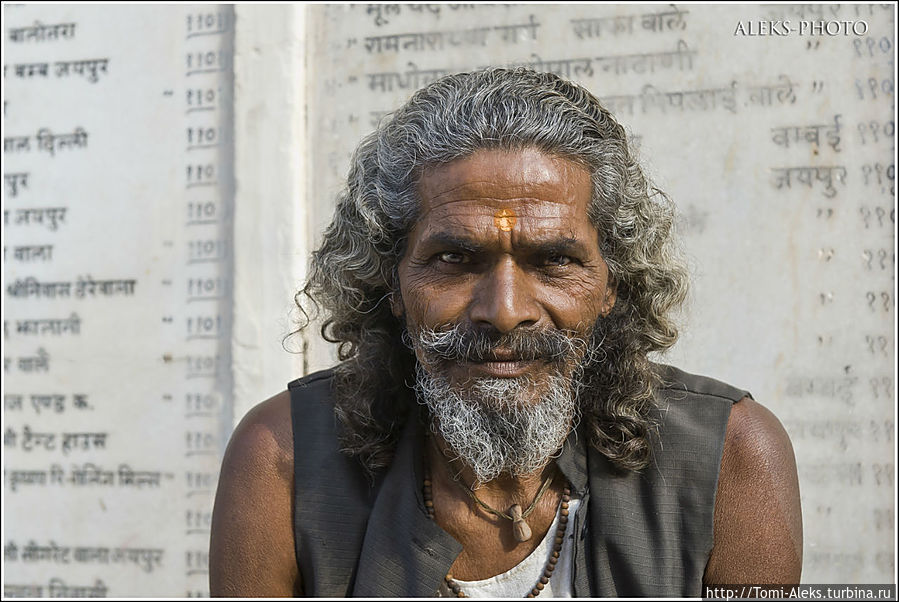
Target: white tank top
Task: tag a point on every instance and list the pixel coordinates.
(518, 581)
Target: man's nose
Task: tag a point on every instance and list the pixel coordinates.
(504, 298)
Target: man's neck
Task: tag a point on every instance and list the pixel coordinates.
(498, 493)
(491, 544)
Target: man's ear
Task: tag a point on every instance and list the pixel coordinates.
(396, 304)
(608, 303)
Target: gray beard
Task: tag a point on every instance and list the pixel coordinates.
(495, 425)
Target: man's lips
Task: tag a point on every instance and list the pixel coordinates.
(502, 369)
(502, 355)
(501, 364)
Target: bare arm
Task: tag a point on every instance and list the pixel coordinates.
(758, 519)
(251, 551)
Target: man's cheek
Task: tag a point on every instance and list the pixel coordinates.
(433, 309)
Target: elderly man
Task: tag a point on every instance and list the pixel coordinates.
(495, 275)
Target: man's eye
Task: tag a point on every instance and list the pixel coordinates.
(451, 257)
(558, 260)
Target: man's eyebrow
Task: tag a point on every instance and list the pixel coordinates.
(556, 246)
(550, 246)
(453, 241)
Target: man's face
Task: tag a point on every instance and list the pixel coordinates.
(501, 287)
(504, 244)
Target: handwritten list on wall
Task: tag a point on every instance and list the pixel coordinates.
(776, 143)
(117, 197)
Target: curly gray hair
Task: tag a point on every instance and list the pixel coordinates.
(354, 270)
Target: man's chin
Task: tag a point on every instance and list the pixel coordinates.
(498, 425)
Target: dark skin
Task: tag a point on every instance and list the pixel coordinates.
(503, 241)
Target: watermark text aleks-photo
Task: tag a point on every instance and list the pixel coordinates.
(802, 28)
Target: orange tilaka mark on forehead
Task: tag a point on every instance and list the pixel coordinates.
(504, 219)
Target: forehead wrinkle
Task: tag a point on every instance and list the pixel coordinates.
(484, 231)
(486, 222)
(533, 213)
(484, 184)
(523, 207)
(486, 191)
(528, 167)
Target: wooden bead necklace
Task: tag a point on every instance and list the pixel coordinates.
(550, 563)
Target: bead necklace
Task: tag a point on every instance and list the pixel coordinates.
(550, 563)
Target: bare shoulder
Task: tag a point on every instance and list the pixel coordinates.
(265, 433)
(758, 519)
(252, 546)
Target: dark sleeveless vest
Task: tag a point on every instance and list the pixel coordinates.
(637, 534)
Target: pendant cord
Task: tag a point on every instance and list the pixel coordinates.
(525, 514)
(543, 489)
